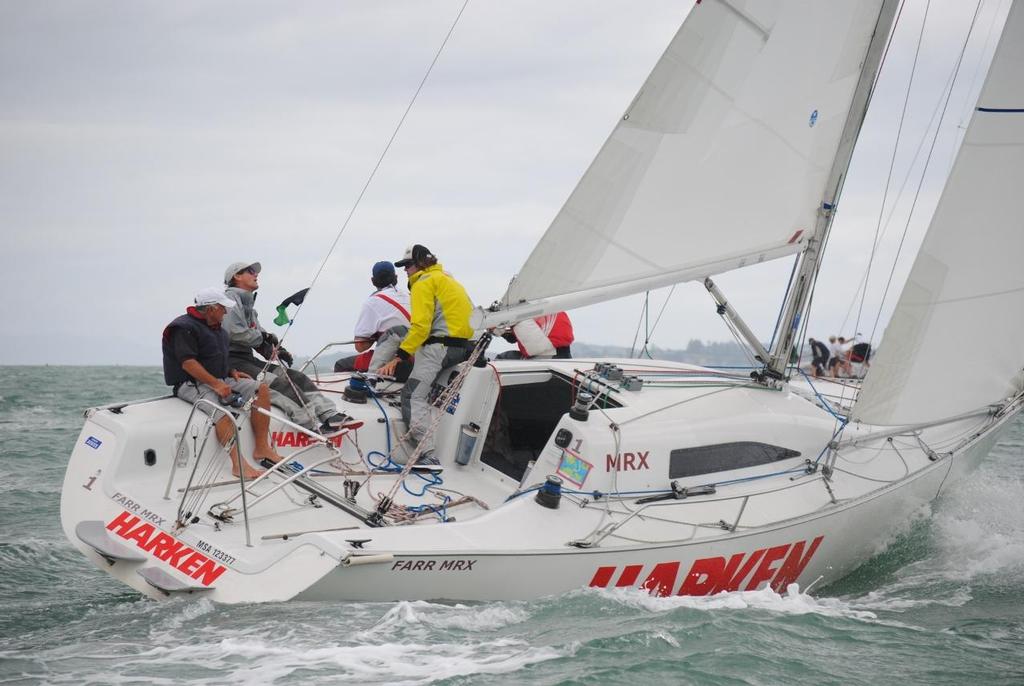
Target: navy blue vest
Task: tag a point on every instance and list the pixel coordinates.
(213, 350)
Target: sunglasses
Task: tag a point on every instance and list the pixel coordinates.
(248, 270)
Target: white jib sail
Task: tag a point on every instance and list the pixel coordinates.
(721, 160)
(965, 292)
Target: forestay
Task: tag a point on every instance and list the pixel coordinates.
(966, 288)
(720, 161)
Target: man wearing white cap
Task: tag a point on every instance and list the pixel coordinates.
(196, 365)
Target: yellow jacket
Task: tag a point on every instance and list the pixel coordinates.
(439, 307)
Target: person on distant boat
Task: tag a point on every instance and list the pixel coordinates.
(839, 362)
(834, 354)
(845, 346)
(197, 365)
(544, 337)
(293, 391)
(820, 357)
(860, 352)
(384, 320)
(439, 336)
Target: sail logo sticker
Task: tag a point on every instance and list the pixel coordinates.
(814, 119)
(166, 548)
(93, 442)
(573, 468)
(780, 566)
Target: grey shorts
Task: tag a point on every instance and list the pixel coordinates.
(191, 392)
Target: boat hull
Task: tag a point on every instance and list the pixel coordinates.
(814, 550)
(800, 528)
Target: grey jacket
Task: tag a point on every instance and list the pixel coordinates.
(242, 323)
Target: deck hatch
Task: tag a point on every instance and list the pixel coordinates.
(723, 457)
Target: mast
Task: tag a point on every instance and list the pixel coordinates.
(810, 260)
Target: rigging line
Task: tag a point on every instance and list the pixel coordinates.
(892, 162)
(968, 105)
(662, 310)
(636, 336)
(380, 160)
(888, 43)
(785, 298)
(924, 172)
(903, 187)
(813, 280)
(647, 324)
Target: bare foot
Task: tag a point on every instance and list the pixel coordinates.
(269, 455)
(250, 473)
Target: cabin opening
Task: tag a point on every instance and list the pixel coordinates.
(525, 415)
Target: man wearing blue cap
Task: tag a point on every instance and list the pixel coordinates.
(384, 320)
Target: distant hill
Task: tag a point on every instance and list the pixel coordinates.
(708, 354)
(703, 353)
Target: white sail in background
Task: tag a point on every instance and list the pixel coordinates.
(966, 288)
(722, 158)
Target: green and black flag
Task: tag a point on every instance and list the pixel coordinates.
(282, 310)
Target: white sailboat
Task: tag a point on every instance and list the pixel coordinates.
(629, 473)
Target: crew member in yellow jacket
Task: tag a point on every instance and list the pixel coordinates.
(439, 337)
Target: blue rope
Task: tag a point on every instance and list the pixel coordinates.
(825, 404)
(389, 465)
(600, 494)
(835, 435)
(430, 478)
(387, 421)
(440, 510)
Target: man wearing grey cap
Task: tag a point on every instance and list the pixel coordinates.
(291, 390)
(196, 366)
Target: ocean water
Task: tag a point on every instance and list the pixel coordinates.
(944, 604)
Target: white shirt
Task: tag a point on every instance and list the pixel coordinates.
(378, 315)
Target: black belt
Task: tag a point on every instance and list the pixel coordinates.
(450, 341)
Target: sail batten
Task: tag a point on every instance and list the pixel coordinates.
(965, 291)
(727, 148)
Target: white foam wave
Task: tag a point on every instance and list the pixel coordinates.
(31, 418)
(259, 660)
(978, 531)
(190, 610)
(424, 615)
(667, 638)
(791, 602)
(892, 599)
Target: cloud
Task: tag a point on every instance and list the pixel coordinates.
(146, 145)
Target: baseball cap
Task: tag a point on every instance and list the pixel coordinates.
(236, 267)
(414, 253)
(383, 268)
(214, 295)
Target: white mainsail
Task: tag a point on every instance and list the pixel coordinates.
(721, 161)
(965, 291)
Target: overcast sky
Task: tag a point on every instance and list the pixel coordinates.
(146, 145)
